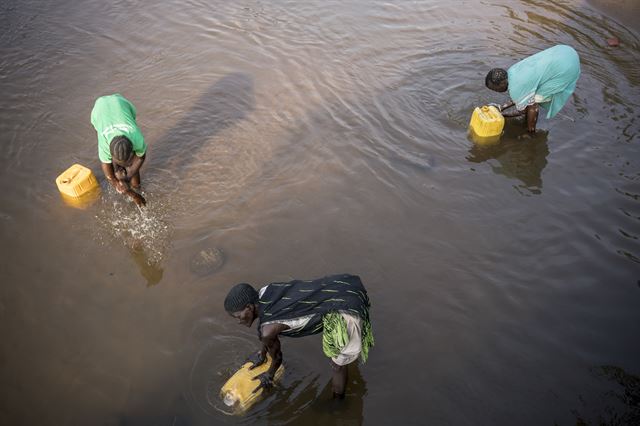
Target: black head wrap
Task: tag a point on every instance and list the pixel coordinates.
(121, 148)
(239, 297)
(495, 77)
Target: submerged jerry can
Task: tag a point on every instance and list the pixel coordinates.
(238, 391)
(78, 186)
(486, 122)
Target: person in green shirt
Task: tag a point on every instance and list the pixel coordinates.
(121, 146)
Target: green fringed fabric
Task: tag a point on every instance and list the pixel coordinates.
(335, 335)
(367, 339)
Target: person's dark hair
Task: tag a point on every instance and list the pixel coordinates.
(239, 297)
(495, 77)
(121, 148)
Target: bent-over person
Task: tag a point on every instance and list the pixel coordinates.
(336, 306)
(545, 79)
(121, 146)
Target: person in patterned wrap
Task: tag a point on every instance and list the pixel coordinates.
(336, 305)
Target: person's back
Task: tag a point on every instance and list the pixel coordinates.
(121, 146)
(547, 78)
(112, 116)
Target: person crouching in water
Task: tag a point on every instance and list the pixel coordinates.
(337, 306)
(545, 79)
(121, 146)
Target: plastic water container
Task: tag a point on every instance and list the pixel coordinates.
(76, 181)
(83, 202)
(238, 391)
(78, 187)
(486, 122)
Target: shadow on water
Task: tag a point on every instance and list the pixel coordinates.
(324, 409)
(517, 155)
(151, 271)
(226, 102)
(620, 405)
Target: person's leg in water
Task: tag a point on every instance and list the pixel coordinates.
(339, 380)
(135, 181)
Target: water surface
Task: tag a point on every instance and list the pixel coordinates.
(304, 139)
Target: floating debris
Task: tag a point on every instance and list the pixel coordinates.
(207, 261)
(613, 41)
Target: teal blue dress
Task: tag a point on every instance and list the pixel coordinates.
(547, 78)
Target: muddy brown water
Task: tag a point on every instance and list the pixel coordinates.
(306, 138)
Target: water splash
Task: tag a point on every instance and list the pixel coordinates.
(143, 230)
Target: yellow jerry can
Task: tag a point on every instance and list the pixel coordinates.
(238, 391)
(483, 141)
(78, 186)
(84, 201)
(486, 122)
(76, 181)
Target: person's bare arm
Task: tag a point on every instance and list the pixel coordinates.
(109, 173)
(514, 113)
(507, 105)
(271, 342)
(136, 164)
(137, 198)
(121, 185)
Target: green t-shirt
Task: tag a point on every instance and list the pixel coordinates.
(113, 116)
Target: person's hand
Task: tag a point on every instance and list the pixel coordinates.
(266, 381)
(498, 106)
(138, 199)
(121, 187)
(121, 173)
(257, 359)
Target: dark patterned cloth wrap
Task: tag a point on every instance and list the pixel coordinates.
(297, 298)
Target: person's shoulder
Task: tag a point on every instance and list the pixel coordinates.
(345, 277)
(262, 290)
(107, 98)
(565, 48)
(272, 329)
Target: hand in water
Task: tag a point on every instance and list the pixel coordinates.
(121, 173)
(257, 359)
(266, 381)
(138, 199)
(121, 187)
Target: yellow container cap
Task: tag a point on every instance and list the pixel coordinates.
(76, 181)
(238, 391)
(486, 121)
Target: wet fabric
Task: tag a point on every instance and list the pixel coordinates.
(281, 302)
(550, 75)
(113, 116)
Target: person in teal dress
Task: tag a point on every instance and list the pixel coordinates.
(546, 79)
